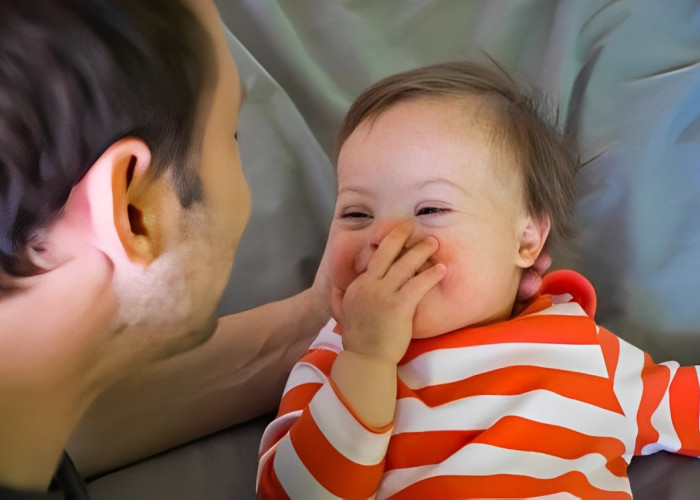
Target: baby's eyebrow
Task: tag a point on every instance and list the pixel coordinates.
(354, 189)
(440, 180)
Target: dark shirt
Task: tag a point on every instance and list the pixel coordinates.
(66, 485)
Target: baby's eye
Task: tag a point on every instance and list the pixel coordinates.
(431, 211)
(354, 215)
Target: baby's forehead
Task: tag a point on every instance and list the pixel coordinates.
(467, 113)
(475, 120)
(489, 115)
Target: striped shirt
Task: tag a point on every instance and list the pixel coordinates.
(547, 404)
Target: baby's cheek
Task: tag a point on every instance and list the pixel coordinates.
(458, 262)
(445, 255)
(341, 264)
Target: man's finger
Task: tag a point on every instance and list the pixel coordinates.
(542, 263)
(337, 302)
(530, 283)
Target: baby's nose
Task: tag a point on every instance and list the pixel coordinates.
(382, 228)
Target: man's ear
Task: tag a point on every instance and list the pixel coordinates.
(129, 159)
(532, 239)
(130, 210)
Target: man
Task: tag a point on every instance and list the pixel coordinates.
(130, 108)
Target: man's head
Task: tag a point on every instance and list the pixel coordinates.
(117, 137)
(77, 76)
(461, 152)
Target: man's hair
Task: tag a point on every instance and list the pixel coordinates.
(548, 159)
(78, 75)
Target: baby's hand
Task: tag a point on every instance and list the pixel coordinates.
(376, 311)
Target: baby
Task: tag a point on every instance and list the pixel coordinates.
(430, 382)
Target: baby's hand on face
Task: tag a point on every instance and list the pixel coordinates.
(376, 311)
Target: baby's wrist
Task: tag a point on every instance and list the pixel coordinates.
(367, 386)
(371, 358)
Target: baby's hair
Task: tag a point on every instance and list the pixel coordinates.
(548, 159)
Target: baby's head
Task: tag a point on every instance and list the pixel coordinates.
(461, 152)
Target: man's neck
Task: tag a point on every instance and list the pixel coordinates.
(33, 431)
(55, 358)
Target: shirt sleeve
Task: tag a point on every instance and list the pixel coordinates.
(662, 398)
(316, 447)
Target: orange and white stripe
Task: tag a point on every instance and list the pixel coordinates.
(546, 405)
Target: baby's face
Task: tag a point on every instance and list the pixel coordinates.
(435, 163)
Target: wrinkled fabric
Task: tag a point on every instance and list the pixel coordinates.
(624, 74)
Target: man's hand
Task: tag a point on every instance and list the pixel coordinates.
(532, 277)
(320, 291)
(376, 311)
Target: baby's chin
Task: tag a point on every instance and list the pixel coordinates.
(426, 326)
(426, 329)
(425, 334)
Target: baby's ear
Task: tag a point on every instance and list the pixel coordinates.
(533, 236)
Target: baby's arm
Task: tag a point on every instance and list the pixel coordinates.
(664, 398)
(376, 312)
(327, 438)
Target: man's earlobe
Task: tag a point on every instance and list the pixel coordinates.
(532, 240)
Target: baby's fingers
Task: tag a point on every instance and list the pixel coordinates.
(389, 249)
(408, 264)
(416, 288)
